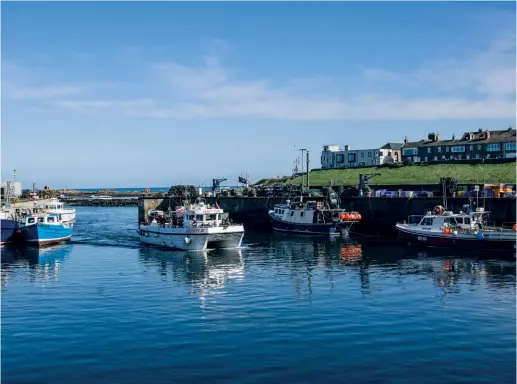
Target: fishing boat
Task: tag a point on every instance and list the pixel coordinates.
(191, 227)
(469, 229)
(43, 229)
(311, 218)
(56, 206)
(10, 229)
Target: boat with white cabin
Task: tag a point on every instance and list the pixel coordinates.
(193, 227)
(56, 206)
(467, 229)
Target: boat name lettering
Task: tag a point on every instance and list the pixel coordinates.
(197, 230)
(422, 238)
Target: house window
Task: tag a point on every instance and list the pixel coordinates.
(479, 147)
(409, 151)
(362, 154)
(458, 148)
(493, 147)
(351, 158)
(439, 149)
(362, 163)
(446, 149)
(340, 158)
(436, 157)
(443, 157)
(477, 155)
(373, 162)
(471, 148)
(488, 155)
(468, 157)
(428, 150)
(425, 158)
(459, 157)
(369, 154)
(510, 146)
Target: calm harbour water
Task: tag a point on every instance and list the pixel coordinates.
(104, 309)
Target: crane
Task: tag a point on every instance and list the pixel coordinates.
(216, 183)
(363, 181)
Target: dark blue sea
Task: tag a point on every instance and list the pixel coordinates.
(104, 309)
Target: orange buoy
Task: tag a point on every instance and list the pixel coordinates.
(358, 216)
(515, 227)
(354, 216)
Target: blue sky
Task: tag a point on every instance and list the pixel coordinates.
(154, 94)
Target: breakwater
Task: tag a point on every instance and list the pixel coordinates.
(379, 215)
(103, 203)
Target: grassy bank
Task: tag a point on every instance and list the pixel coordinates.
(418, 174)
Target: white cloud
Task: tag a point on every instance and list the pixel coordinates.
(482, 86)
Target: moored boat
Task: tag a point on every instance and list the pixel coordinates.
(469, 229)
(311, 218)
(45, 229)
(56, 206)
(191, 227)
(10, 230)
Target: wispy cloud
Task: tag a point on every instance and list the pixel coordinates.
(481, 86)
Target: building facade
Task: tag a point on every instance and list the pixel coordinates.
(16, 189)
(472, 145)
(333, 156)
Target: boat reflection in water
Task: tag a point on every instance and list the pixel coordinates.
(44, 263)
(206, 272)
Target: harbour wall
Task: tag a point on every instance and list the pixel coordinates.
(379, 215)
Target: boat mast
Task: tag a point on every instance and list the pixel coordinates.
(308, 162)
(303, 178)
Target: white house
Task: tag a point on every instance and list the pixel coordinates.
(333, 156)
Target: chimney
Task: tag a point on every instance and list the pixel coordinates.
(487, 134)
(436, 137)
(405, 140)
(480, 130)
(346, 148)
(453, 136)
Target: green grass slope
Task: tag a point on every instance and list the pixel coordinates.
(418, 174)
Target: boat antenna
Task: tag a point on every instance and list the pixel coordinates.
(302, 150)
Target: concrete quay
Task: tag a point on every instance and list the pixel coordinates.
(379, 215)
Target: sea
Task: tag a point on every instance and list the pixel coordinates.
(104, 308)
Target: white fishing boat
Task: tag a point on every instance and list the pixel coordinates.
(191, 227)
(468, 229)
(56, 206)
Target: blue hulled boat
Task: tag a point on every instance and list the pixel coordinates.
(10, 230)
(45, 229)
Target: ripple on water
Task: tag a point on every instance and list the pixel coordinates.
(104, 309)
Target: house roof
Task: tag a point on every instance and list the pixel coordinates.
(394, 146)
(477, 137)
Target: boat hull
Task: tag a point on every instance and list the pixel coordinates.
(305, 229)
(191, 241)
(41, 235)
(9, 232)
(506, 243)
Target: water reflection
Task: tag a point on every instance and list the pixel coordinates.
(207, 273)
(43, 265)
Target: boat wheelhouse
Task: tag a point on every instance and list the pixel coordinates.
(56, 206)
(195, 226)
(45, 229)
(311, 218)
(469, 229)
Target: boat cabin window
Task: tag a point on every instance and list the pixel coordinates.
(211, 217)
(40, 219)
(50, 219)
(466, 220)
(427, 221)
(301, 214)
(292, 213)
(199, 217)
(31, 220)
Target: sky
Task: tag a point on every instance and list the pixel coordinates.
(136, 94)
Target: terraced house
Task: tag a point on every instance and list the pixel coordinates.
(472, 145)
